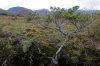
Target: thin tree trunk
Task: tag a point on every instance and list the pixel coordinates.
(5, 62)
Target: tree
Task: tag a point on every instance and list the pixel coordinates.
(61, 16)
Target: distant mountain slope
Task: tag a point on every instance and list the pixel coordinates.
(3, 12)
(42, 11)
(87, 11)
(18, 10)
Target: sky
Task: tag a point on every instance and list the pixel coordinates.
(40, 4)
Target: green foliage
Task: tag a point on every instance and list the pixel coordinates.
(47, 19)
(80, 17)
(74, 15)
(96, 30)
(58, 12)
(25, 45)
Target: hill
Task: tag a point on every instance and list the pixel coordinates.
(42, 11)
(4, 12)
(18, 10)
(87, 11)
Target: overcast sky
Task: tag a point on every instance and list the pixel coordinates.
(39, 4)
